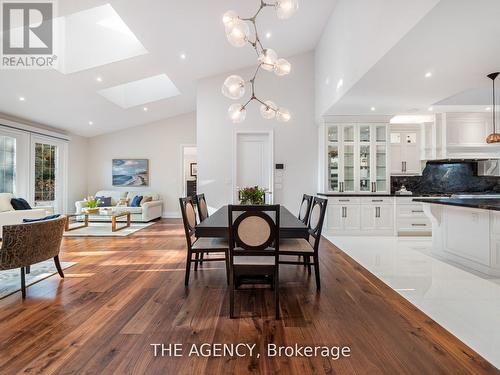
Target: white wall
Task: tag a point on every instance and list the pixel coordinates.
(360, 33)
(77, 170)
(295, 142)
(159, 142)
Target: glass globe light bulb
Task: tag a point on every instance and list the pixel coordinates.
(286, 8)
(282, 67)
(268, 110)
(233, 87)
(237, 34)
(283, 115)
(237, 113)
(229, 18)
(268, 59)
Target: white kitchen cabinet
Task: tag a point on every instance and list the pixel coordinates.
(405, 150)
(357, 158)
(411, 219)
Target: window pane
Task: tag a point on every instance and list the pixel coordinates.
(45, 168)
(7, 164)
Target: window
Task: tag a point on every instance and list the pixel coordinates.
(45, 172)
(7, 164)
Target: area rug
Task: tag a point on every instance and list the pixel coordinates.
(10, 280)
(97, 229)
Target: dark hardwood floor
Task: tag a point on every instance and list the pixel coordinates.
(127, 293)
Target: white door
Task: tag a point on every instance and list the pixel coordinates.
(254, 162)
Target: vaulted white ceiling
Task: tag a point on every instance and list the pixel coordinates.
(166, 29)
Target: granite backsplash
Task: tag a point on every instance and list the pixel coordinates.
(447, 178)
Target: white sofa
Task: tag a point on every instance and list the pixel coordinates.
(9, 216)
(146, 212)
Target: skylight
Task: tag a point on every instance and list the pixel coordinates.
(140, 92)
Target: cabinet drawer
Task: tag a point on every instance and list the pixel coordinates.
(495, 221)
(410, 210)
(344, 200)
(377, 200)
(405, 200)
(414, 225)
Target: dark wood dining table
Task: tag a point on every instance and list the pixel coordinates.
(217, 224)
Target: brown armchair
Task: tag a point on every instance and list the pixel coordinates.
(31, 243)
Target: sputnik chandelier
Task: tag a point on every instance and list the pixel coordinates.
(238, 34)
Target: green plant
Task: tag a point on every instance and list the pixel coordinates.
(252, 195)
(92, 202)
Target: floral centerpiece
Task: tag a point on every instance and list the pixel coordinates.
(252, 195)
(92, 205)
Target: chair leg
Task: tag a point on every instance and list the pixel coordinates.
(196, 257)
(231, 295)
(308, 260)
(58, 266)
(188, 268)
(202, 255)
(316, 272)
(227, 267)
(28, 270)
(23, 283)
(276, 295)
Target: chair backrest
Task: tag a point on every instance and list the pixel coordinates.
(254, 230)
(316, 219)
(305, 208)
(202, 206)
(188, 218)
(30, 243)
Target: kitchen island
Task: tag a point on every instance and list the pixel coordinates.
(466, 231)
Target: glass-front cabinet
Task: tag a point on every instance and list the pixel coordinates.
(357, 158)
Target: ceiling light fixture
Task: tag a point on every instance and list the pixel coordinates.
(494, 137)
(22, 98)
(428, 75)
(145, 109)
(430, 109)
(91, 123)
(98, 79)
(238, 35)
(269, 35)
(183, 56)
(487, 109)
(373, 109)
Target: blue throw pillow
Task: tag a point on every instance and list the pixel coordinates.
(136, 202)
(20, 204)
(104, 201)
(50, 217)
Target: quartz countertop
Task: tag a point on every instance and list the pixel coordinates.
(480, 203)
(369, 195)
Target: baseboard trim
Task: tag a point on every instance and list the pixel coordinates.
(171, 215)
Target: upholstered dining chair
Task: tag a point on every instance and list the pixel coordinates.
(198, 246)
(253, 248)
(201, 203)
(26, 244)
(305, 208)
(308, 248)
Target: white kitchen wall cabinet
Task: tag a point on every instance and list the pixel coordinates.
(357, 158)
(405, 149)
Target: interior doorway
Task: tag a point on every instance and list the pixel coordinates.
(189, 170)
(253, 162)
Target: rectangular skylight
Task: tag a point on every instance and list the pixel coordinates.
(140, 92)
(94, 37)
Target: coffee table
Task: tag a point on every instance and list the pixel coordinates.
(113, 215)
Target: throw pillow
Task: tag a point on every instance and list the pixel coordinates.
(20, 204)
(146, 199)
(104, 201)
(50, 217)
(136, 202)
(122, 202)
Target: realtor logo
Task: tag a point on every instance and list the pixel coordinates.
(28, 34)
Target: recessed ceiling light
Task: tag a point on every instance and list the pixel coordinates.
(488, 109)
(22, 98)
(430, 109)
(373, 109)
(183, 56)
(428, 75)
(98, 79)
(91, 123)
(340, 83)
(145, 109)
(269, 35)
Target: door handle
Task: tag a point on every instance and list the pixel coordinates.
(405, 167)
(402, 166)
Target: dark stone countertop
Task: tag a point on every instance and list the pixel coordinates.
(370, 195)
(483, 204)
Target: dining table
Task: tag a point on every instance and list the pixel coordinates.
(217, 225)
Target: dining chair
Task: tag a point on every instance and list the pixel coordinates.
(198, 246)
(307, 248)
(253, 249)
(305, 208)
(201, 203)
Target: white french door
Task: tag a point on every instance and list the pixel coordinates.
(14, 162)
(49, 172)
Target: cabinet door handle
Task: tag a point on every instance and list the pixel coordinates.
(405, 167)
(419, 225)
(341, 187)
(374, 187)
(402, 166)
(417, 211)
(344, 211)
(377, 200)
(377, 212)
(344, 200)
